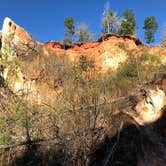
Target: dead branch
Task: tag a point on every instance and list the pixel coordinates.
(27, 143)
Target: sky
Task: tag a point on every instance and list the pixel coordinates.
(44, 19)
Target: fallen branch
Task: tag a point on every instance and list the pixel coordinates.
(25, 143)
(120, 102)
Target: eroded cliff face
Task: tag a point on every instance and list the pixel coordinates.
(17, 43)
(106, 54)
(33, 62)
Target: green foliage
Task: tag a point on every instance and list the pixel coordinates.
(150, 66)
(150, 27)
(5, 138)
(11, 63)
(155, 58)
(150, 57)
(19, 118)
(85, 64)
(161, 68)
(128, 71)
(123, 81)
(133, 74)
(13, 126)
(144, 56)
(79, 70)
(6, 131)
(114, 24)
(2, 123)
(70, 28)
(122, 45)
(126, 28)
(130, 19)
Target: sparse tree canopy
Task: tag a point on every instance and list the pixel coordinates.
(150, 27)
(70, 28)
(83, 33)
(110, 21)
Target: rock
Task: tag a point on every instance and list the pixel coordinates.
(12, 31)
(149, 108)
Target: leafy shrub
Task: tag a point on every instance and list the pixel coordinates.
(85, 63)
(154, 58)
(162, 68)
(144, 57)
(20, 115)
(128, 71)
(122, 45)
(5, 138)
(122, 82)
(2, 123)
(149, 57)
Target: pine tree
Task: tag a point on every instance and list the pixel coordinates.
(129, 24)
(70, 28)
(126, 29)
(150, 27)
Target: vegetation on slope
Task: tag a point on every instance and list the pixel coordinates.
(66, 132)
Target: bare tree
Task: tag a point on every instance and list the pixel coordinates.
(83, 33)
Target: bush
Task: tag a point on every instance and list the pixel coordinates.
(154, 58)
(122, 45)
(128, 71)
(149, 57)
(85, 63)
(5, 138)
(124, 80)
(144, 57)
